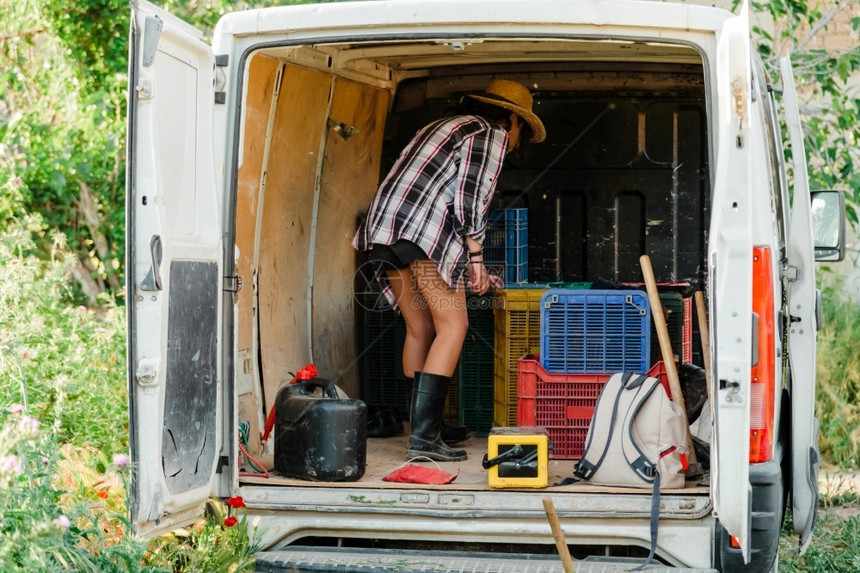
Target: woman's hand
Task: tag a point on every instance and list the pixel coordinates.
(479, 278)
(480, 281)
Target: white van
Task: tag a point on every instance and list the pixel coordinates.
(251, 162)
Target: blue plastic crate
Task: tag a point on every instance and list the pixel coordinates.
(595, 331)
(506, 250)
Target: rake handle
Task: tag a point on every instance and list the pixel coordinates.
(558, 535)
(666, 348)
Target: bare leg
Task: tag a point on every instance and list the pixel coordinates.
(419, 320)
(450, 319)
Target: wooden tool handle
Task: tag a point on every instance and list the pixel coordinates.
(558, 535)
(666, 349)
(662, 331)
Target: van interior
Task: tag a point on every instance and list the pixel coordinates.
(624, 171)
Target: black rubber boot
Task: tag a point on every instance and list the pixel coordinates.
(428, 402)
(450, 434)
(383, 421)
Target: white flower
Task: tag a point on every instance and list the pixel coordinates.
(29, 425)
(63, 523)
(10, 465)
(120, 460)
(16, 408)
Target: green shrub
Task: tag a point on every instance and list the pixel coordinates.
(838, 373)
(220, 542)
(64, 425)
(45, 528)
(65, 363)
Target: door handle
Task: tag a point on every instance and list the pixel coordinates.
(152, 280)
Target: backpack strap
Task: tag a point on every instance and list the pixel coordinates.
(655, 521)
(643, 467)
(598, 440)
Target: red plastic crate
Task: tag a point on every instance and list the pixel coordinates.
(658, 370)
(562, 403)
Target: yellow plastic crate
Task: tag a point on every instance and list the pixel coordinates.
(517, 333)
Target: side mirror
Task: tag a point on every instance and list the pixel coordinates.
(828, 225)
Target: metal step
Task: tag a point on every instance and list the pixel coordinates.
(360, 560)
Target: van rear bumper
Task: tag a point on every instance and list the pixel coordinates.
(768, 495)
(318, 560)
(502, 522)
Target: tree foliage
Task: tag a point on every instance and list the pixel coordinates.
(61, 141)
(830, 114)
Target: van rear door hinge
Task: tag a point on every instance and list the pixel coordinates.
(789, 273)
(221, 62)
(223, 462)
(233, 283)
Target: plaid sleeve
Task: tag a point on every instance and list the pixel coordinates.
(478, 166)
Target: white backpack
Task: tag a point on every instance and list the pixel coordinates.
(636, 434)
(637, 438)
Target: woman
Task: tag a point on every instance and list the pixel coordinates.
(424, 230)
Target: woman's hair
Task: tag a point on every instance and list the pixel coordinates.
(494, 113)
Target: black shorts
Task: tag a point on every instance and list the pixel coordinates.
(395, 256)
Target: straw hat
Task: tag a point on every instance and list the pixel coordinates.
(515, 97)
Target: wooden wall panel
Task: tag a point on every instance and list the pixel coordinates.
(287, 211)
(261, 85)
(349, 181)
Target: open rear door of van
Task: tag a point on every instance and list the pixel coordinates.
(174, 260)
(730, 279)
(802, 330)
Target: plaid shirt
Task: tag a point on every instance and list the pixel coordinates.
(439, 191)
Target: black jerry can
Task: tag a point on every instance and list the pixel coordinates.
(318, 436)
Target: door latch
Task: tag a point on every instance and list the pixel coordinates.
(146, 372)
(144, 89)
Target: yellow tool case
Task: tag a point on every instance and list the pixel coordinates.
(517, 457)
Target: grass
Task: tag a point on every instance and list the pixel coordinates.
(837, 532)
(835, 540)
(64, 432)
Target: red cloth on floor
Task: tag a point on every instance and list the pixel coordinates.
(419, 474)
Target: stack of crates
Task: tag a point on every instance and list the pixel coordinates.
(506, 250)
(585, 336)
(470, 395)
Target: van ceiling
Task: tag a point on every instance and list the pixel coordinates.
(465, 51)
(396, 60)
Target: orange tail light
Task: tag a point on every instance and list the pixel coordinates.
(763, 373)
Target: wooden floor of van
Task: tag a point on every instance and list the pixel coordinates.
(385, 455)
